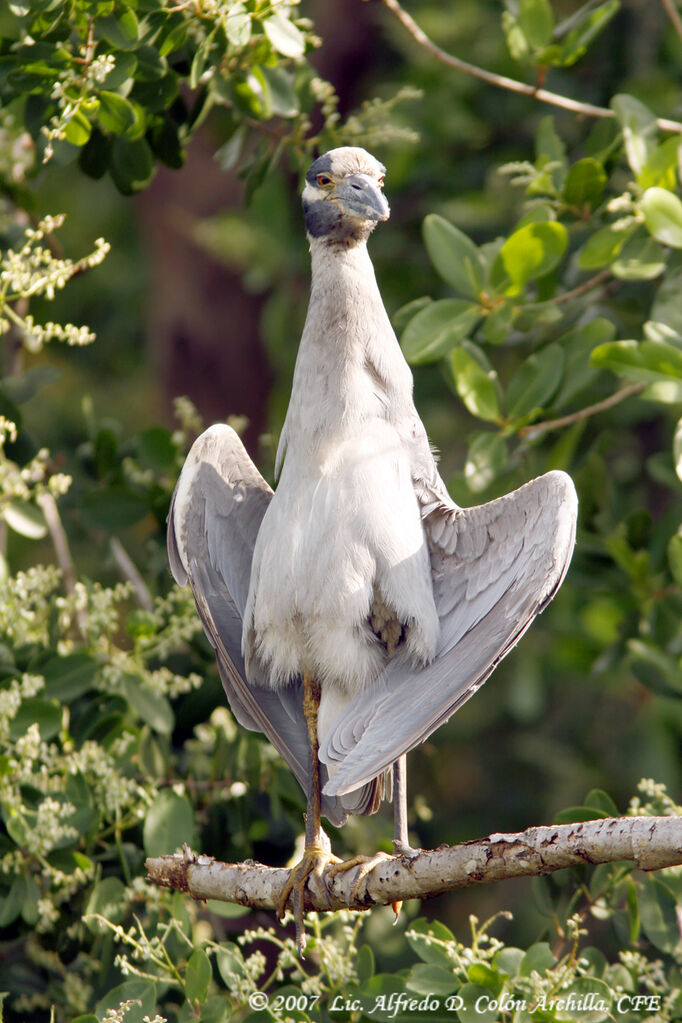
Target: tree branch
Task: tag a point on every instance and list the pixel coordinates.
(535, 429)
(501, 81)
(651, 842)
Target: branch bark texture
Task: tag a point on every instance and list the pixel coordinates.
(650, 842)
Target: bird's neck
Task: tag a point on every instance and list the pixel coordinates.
(349, 367)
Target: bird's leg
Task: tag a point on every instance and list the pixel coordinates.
(401, 845)
(317, 853)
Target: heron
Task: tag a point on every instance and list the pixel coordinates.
(354, 609)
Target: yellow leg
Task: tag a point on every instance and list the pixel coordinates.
(317, 854)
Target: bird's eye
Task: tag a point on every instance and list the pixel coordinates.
(381, 182)
(323, 181)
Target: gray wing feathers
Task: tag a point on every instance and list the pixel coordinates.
(214, 518)
(495, 567)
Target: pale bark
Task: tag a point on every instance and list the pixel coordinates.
(650, 842)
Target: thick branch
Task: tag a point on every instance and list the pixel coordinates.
(651, 842)
(501, 81)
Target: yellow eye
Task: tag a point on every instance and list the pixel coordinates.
(381, 182)
(323, 181)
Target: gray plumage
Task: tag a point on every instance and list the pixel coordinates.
(359, 569)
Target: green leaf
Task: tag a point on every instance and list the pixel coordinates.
(486, 458)
(661, 167)
(121, 30)
(531, 252)
(132, 164)
(484, 976)
(168, 824)
(508, 960)
(675, 556)
(639, 129)
(667, 307)
(142, 993)
(157, 448)
(115, 114)
(476, 381)
(475, 1009)
(69, 677)
(498, 323)
(658, 912)
(364, 963)
(641, 259)
(662, 213)
(25, 518)
(578, 345)
(403, 316)
(78, 129)
(536, 381)
(539, 957)
(284, 36)
(536, 21)
(108, 899)
(282, 91)
(11, 903)
(677, 448)
(419, 938)
(600, 800)
(454, 256)
(577, 814)
(152, 707)
(590, 22)
(602, 247)
(640, 360)
(585, 183)
(198, 975)
(113, 509)
(47, 714)
(431, 979)
(586, 999)
(24, 386)
(435, 331)
(238, 26)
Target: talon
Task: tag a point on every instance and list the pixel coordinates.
(396, 907)
(366, 865)
(315, 860)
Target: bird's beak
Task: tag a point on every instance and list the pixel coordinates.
(362, 198)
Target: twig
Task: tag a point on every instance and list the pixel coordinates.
(535, 429)
(62, 551)
(129, 571)
(501, 81)
(651, 842)
(581, 289)
(674, 15)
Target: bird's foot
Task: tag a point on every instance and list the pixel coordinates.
(365, 865)
(314, 862)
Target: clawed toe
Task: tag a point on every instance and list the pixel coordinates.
(314, 862)
(365, 865)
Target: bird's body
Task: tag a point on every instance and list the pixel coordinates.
(343, 533)
(357, 608)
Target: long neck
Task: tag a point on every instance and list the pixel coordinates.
(349, 365)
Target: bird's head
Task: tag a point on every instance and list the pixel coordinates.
(342, 197)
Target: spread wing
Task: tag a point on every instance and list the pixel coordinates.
(217, 508)
(495, 567)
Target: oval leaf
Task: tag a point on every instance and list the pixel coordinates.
(435, 331)
(284, 36)
(485, 460)
(663, 216)
(536, 381)
(476, 381)
(529, 253)
(169, 823)
(642, 360)
(25, 518)
(454, 256)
